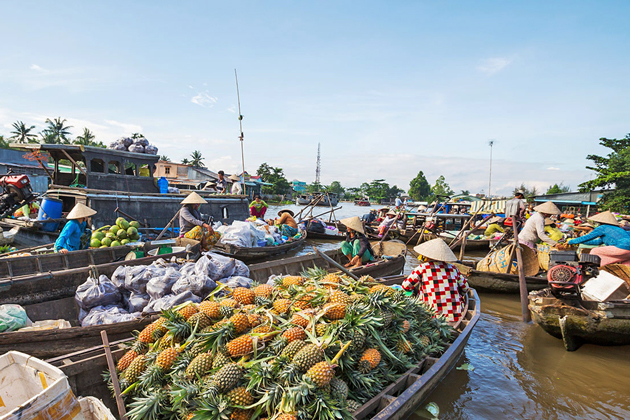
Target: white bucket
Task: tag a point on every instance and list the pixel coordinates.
(94, 409)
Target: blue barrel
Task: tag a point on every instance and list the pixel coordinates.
(163, 185)
(50, 209)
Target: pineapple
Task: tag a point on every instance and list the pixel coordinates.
(263, 291)
(241, 414)
(135, 369)
(321, 374)
(300, 320)
(199, 320)
(197, 349)
(292, 281)
(352, 405)
(201, 365)
(335, 310)
(241, 323)
(220, 360)
(308, 356)
(255, 320)
(369, 360)
(331, 281)
(240, 396)
(405, 326)
(295, 333)
(339, 388)
(403, 346)
(244, 296)
(146, 335)
(292, 348)
(165, 359)
(188, 310)
(303, 303)
(286, 417)
(320, 329)
(337, 296)
(282, 306)
(210, 308)
(240, 346)
(262, 329)
(126, 360)
(424, 340)
(227, 307)
(226, 378)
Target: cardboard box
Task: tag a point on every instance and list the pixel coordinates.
(605, 287)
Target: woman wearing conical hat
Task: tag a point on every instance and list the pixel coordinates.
(356, 247)
(534, 228)
(439, 283)
(70, 237)
(190, 224)
(615, 239)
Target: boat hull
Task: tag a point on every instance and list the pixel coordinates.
(489, 282)
(605, 324)
(248, 254)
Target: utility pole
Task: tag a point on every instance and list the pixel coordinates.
(240, 122)
(490, 143)
(319, 169)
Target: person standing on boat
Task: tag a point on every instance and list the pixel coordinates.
(222, 185)
(190, 224)
(616, 241)
(398, 202)
(356, 246)
(438, 283)
(515, 208)
(258, 207)
(236, 185)
(286, 224)
(534, 227)
(70, 237)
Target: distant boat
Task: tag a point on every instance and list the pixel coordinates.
(305, 199)
(365, 201)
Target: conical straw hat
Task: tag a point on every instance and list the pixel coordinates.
(547, 208)
(80, 211)
(606, 218)
(194, 198)
(234, 177)
(353, 223)
(436, 249)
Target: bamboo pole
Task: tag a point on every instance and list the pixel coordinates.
(521, 276)
(112, 371)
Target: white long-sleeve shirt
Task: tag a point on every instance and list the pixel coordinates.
(236, 188)
(534, 229)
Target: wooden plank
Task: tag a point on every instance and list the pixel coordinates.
(75, 163)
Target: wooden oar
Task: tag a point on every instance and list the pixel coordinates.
(335, 263)
(167, 226)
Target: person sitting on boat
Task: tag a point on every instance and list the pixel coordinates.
(616, 241)
(438, 283)
(286, 224)
(236, 185)
(190, 224)
(258, 207)
(368, 218)
(534, 227)
(356, 245)
(70, 237)
(495, 224)
(382, 213)
(552, 230)
(387, 224)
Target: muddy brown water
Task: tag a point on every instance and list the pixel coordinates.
(519, 370)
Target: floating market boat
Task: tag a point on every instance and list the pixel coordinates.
(471, 244)
(390, 261)
(397, 401)
(578, 321)
(485, 281)
(258, 252)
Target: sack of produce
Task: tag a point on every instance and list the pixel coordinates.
(141, 141)
(108, 315)
(240, 269)
(200, 285)
(188, 269)
(12, 318)
(101, 292)
(237, 281)
(136, 302)
(169, 301)
(161, 286)
(127, 141)
(215, 266)
(138, 277)
(136, 148)
(239, 234)
(119, 276)
(151, 150)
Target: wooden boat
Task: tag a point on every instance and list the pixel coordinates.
(363, 203)
(395, 402)
(489, 282)
(392, 264)
(577, 321)
(303, 200)
(326, 236)
(471, 244)
(28, 234)
(258, 252)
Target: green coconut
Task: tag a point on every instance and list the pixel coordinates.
(134, 224)
(98, 236)
(106, 242)
(122, 234)
(114, 229)
(131, 232)
(95, 243)
(122, 223)
(116, 243)
(124, 242)
(104, 246)
(111, 236)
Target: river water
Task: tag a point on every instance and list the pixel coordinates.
(520, 371)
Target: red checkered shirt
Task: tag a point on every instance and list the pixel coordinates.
(440, 287)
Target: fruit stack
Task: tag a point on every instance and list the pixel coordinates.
(314, 346)
(122, 233)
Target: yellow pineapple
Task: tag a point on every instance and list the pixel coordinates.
(282, 306)
(321, 373)
(405, 326)
(331, 281)
(263, 290)
(210, 308)
(300, 319)
(369, 360)
(335, 310)
(295, 333)
(126, 360)
(240, 346)
(337, 296)
(292, 281)
(244, 296)
(241, 323)
(188, 310)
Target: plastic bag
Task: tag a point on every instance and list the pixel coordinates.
(237, 281)
(137, 302)
(12, 317)
(200, 285)
(188, 269)
(151, 149)
(240, 269)
(215, 266)
(138, 277)
(239, 234)
(136, 148)
(118, 277)
(161, 286)
(100, 315)
(169, 301)
(141, 141)
(120, 147)
(99, 292)
(127, 141)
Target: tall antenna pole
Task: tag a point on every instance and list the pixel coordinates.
(319, 169)
(240, 123)
(490, 143)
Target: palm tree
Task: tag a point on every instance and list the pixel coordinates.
(185, 161)
(56, 132)
(165, 158)
(22, 134)
(87, 139)
(196, 159)
(137, 136)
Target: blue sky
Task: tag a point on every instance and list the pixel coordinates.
(388, 88)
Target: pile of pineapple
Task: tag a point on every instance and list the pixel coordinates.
(315, 346)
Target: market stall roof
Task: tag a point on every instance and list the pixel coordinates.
(77, 152)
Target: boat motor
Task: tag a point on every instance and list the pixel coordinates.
(16, 192)
(567, 272)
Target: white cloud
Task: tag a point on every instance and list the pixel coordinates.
(204, 99)
(128, 128)
(551, 168)
(232, 109)
(491, 66)
(38, 68)
(190, 87)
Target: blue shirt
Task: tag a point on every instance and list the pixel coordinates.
(605, 235)
(70, 236)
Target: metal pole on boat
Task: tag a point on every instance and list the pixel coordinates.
(521, 275)
(240, 123)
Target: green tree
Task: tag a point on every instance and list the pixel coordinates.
(165, 158)
(558, 189)
(87, 139)
(527, 192)
(137, 136)
(56, 132)
(314, 187)
(441, 187)
(613, 175)
(185, 161)
(274, 176)
(352, 193)
(22, 133)
(3, 143)
(335, 187)
(465, 192)
(196, 159)
(419, 188)
(378, 190)
(264, 171)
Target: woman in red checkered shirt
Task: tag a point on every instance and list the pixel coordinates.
(439, 284)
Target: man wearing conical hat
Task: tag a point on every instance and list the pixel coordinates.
(439, 283)
(356, 246)
(615, 239)
(534, 228)
(190, 224)
(70, 237)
